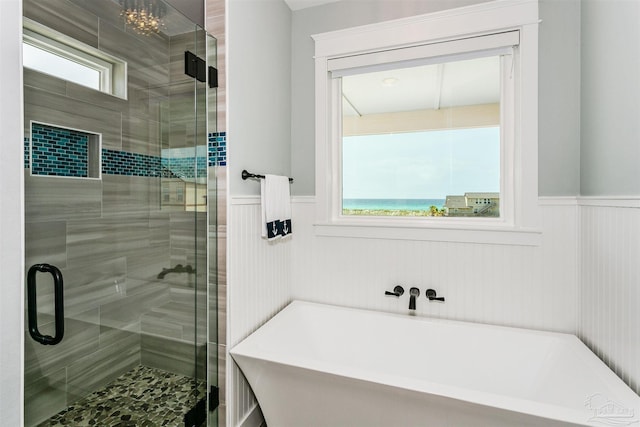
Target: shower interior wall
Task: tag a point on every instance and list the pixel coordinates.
(111, 237)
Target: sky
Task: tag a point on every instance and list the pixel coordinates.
(421, 165)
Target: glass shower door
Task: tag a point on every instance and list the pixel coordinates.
(116, 217)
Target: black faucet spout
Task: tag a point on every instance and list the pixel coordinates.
(414, 293)
(177, 269)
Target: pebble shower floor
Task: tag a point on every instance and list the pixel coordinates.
(142, 397)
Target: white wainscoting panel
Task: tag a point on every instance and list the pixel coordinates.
(259, 286)
(524, 286)
(584, 278)
(260, 271)
(610, 276)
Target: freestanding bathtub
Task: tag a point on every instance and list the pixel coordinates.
(320, 365)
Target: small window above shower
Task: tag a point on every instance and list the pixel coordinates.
(49, 52)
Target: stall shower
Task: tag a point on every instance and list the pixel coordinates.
(117, 200)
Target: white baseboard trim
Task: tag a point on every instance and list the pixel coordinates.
(303, 199)
(245, 200)
(610, 201)
(603, 201)
(558, 201)
(255, 200)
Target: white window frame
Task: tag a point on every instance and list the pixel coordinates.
(112, 70)
(519, 221)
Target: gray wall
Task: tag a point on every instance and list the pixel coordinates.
(588, 129)
(559, 82)
(330, 17)
(559, 98)
(259, 106)
(610, 113)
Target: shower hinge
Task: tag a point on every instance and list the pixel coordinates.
(197, 415)
(214, 398)
(195, 67)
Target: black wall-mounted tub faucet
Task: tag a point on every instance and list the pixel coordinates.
(414, 293)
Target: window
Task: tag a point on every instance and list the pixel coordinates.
(38, 58)
(57, 55)
(430, 123)
(412, 137)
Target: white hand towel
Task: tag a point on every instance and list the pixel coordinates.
(276, 207)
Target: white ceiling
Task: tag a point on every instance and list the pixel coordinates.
(453, 84)
(303, 4)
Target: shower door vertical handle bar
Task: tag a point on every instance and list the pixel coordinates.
(32, 305)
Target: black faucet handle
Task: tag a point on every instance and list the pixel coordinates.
(397, 291)
(432, 295)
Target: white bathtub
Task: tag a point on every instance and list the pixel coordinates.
(320, 365)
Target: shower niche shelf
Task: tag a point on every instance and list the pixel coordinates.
(56, 151)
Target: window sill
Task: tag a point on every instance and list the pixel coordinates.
(496, 235)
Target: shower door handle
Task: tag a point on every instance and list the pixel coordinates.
(32, 305)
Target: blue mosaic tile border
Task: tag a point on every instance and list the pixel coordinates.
(26, 154)
(59, 152)
(66, 150)
(182, 167)
(116, 162)
(217, 148)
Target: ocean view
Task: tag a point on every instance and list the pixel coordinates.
(392, 204)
